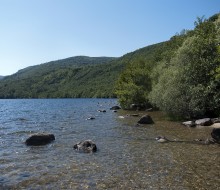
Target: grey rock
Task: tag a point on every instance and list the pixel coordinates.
(90, 118)
(101, 111)
(204, 122)
(161, 139)
(216, 135)
(86, 146)
(39, 139)
(115, 108)
(189, 123)
(216, 120)
(146, 119)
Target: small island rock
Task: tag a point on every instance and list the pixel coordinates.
(39, 139)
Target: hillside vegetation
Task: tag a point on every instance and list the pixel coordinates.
(68, 78)
(183, 80)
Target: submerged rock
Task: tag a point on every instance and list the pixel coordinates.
(161, 139)
(115, 108)
(146, 119)
(137, 125)
(101, 111)
(209, 141)
(86, 146)
(128, 116)
(216, 135)
(90, 118)
(39, 139)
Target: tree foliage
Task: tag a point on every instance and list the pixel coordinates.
(134, 84)
(185, 78)
(189, 86)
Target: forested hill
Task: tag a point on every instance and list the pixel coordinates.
(79, 76)
(71, 62)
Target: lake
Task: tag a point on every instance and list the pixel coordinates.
(128, 156)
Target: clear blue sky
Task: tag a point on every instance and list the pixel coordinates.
(37, 31)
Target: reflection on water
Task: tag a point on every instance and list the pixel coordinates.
(128, 157)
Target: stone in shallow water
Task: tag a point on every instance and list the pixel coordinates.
(115, 108)
(146, 119)
(204, 122)
(90, 118)
(101, 111)
(86, 146)
(39, 139)
(216, 135)
(189, 123)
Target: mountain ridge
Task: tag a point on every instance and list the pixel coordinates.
(76, 61)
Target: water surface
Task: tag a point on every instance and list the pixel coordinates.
(128, 157)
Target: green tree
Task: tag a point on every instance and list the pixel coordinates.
(134, 84)
(188, 87)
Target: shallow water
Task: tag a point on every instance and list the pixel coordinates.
(128, 157)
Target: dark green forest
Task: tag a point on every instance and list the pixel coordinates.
(180, 76)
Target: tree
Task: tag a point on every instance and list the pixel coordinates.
(188, 87)
(134, 84)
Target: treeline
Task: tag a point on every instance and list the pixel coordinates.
(183, 76)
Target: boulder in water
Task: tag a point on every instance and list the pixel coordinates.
(115, 108)
(189, 123)
(39, 139)
(86, 146)
(216, 135)
(204, 122)
(146, 119)
(90, 118)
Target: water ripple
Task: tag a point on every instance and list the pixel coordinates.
(128, 157)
